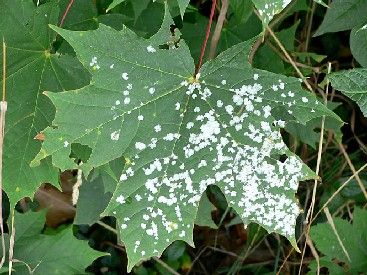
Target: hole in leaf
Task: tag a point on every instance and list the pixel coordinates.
(283, 158)
(80, 152)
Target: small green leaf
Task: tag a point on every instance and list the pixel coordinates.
(358, 44)
(343, 15)
(353, 84)
(353, 237)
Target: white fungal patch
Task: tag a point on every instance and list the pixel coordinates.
(126, 100)
(151, 90)
(66, 143)
(138, 197)
(111, 66)
(117, 102)
(115, 135)
(140, 117)
(125, 76)
(140, 146)
(304, 99)
(189, 125)
(94, 63)
(120, 199)
(157, 128)
(151, 49)
(224, 82)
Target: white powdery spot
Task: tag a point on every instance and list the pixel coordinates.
(304, 99)
(224, 82)
(126, 100)
(94, 63)
(140, 117)
(115, 135)
(117, 102)
(111, 66)
(256, 76)
(151, 49)
(189, 125)
(125, 76)
(66, 143)
(151, 90)
(202, 163)
(120, 199)
(157, 128)
(171, 136)
(140, 146)
(138, 197)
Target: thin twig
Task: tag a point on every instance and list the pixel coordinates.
(289, 58)
(4, 69)
(66, 12)
(313, 200)
(205, 42)
(309, 24)
(218, 29)
(331, 222)
(166, 266)
(338, 191)
(106, 226)
(11, 242)
(314, 253)
(351, 166)
(3, 108)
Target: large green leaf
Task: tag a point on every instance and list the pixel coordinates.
(180, 134)
(343, 15)
(353, 84)
(31, 69)
(353, 238)
(358, 44)
(59, 253)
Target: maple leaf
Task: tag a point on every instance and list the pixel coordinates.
(31, 69)
(179, 134)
